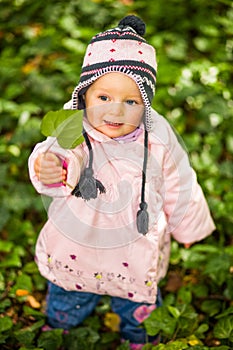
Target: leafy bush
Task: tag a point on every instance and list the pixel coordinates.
(42, 45)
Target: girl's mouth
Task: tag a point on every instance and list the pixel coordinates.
(112, 124)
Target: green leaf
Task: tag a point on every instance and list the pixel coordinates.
(177, 345)
(200, 290)
(82, 338)
(226, 312)
(2, 282)
(184, 295)
(6, 246)
(93, 322)
(224, 328)
(109, 337)
(32, 312)
(174, 311)
(211, 307)
(23, 282)
(124, 346)
(218, 268)
(5, 323)
(188, 312)
(205, 248)
(35, 326)
(3, 337)
(25, 337)
(154, 325)
(12, 260)
(30, 268)
(65, 125)
(201, 329)
(50, 340)
(5, 304)
(159, 347)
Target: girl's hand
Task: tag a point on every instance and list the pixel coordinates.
(48, 168)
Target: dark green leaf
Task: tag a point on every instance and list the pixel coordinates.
(211, 307)
(25, 337)
(185, 295)
(50, 340)
(224, 328)
(4, 304)
(28, 311)
(228, 311)
(5, 323)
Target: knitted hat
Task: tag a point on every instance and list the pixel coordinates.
(121, 49)
(124, 50)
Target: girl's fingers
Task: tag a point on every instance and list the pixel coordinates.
(50, 178)
(51, 157)
(48, 169)
(187, 245)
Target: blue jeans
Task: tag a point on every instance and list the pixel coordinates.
(67, 309)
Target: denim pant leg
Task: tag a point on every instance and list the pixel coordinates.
(132, 315)
(67, 309)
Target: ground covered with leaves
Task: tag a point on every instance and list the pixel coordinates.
(197, 311)
(42, 45)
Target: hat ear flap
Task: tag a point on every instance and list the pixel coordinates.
(81, 98)
(81, 102)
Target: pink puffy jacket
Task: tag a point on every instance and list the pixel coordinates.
(94, 245)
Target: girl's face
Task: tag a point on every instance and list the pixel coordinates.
(114, 105)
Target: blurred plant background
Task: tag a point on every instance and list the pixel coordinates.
(42, 46)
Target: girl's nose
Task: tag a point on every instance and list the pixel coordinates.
(116, 109)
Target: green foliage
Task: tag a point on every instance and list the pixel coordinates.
(42, 46)
(50, 340)
(65, 125)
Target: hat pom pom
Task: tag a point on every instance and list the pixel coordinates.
(134, 22)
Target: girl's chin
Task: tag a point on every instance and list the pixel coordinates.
(112, 131)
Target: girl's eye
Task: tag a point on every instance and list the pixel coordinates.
(131, 102)
(103, 98)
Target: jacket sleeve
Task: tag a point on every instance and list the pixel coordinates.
(74, 159)
(185, 206)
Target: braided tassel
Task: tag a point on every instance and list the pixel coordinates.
(142, 214)
(142, 218)
(88, 186)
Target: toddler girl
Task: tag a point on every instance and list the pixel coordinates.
(120, 195)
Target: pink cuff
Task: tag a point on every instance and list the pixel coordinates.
(142, 312)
